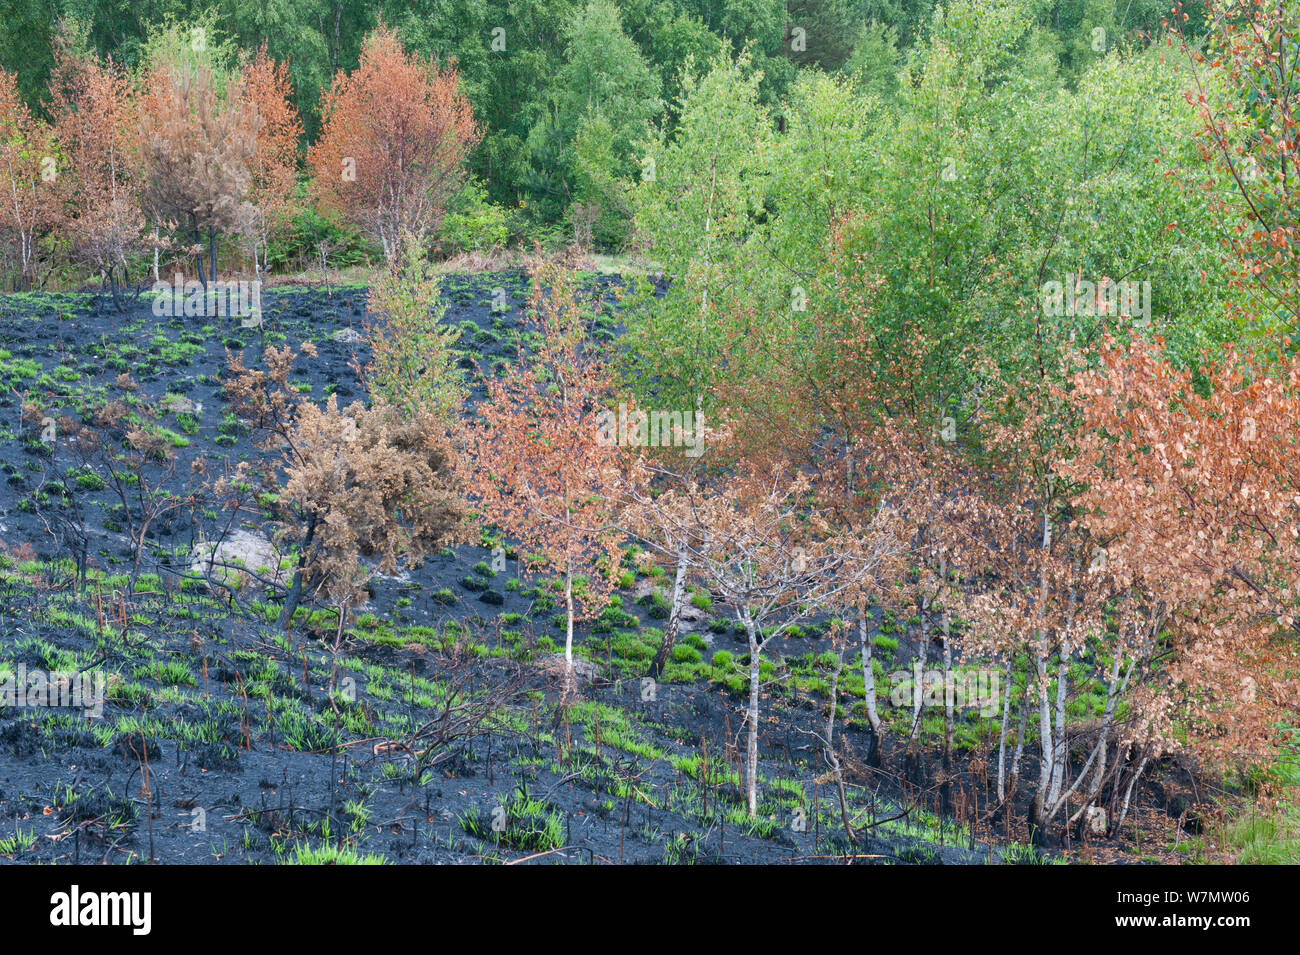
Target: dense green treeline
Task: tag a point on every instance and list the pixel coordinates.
(952, 203)
(566, 89)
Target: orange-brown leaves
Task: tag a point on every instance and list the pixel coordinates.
(96, 121)
(395, 133)
(26, 161)
(540, 467)
(264, 88)
(1194, 487)
(1249, 136)
(198, 148)
(377, 487)
(368, 482)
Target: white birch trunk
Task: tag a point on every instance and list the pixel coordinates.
(918, 684)
(568, 631)
(868, 673)
(1002, 736)
(949, 691)
(751, 718)
(1115, 689)
(1020, 738)
(1045, 746)
(679, 598)
(1128, 794)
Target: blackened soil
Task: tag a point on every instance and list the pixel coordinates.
(219, 743)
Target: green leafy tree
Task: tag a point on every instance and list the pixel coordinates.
(604, 71)
(412, 362)
(695, 205)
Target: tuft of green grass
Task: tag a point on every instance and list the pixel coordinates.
(331, 855)
(520, 822)
(1272, 839)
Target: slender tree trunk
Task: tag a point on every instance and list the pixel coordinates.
(1020, 739)
(1002, 736)
(568, 630)
(1059, 752)
(1128, 794)
(918, 689)
(212, 253)
(1046, 748)
(1108, 719)
(868, 674)
(751, 719)
(292, 599)
(869, 686)
(139, 544)
(949, 692)
(1115, 689)
(198, 239)
(836, 770)
(674, 617)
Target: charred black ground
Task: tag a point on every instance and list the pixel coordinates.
(218, 743)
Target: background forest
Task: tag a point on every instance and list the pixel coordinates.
(566, 93)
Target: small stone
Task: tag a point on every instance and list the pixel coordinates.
(240, 549)
(179, 404)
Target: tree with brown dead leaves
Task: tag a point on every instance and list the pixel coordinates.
(766, 551)
(1191, 486)
(265, 89)
(353, 484)
(28, 171)
(395, 133)
(198, 144)
(96, 126)
(537, 463)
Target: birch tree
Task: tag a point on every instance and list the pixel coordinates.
(1193, 487)
(1244, 94)
(395, 133)
(96, 127)
(27, 172)
(664, 521)
(536, 461)
(265, 89)
(775, 562)
(198, 143)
